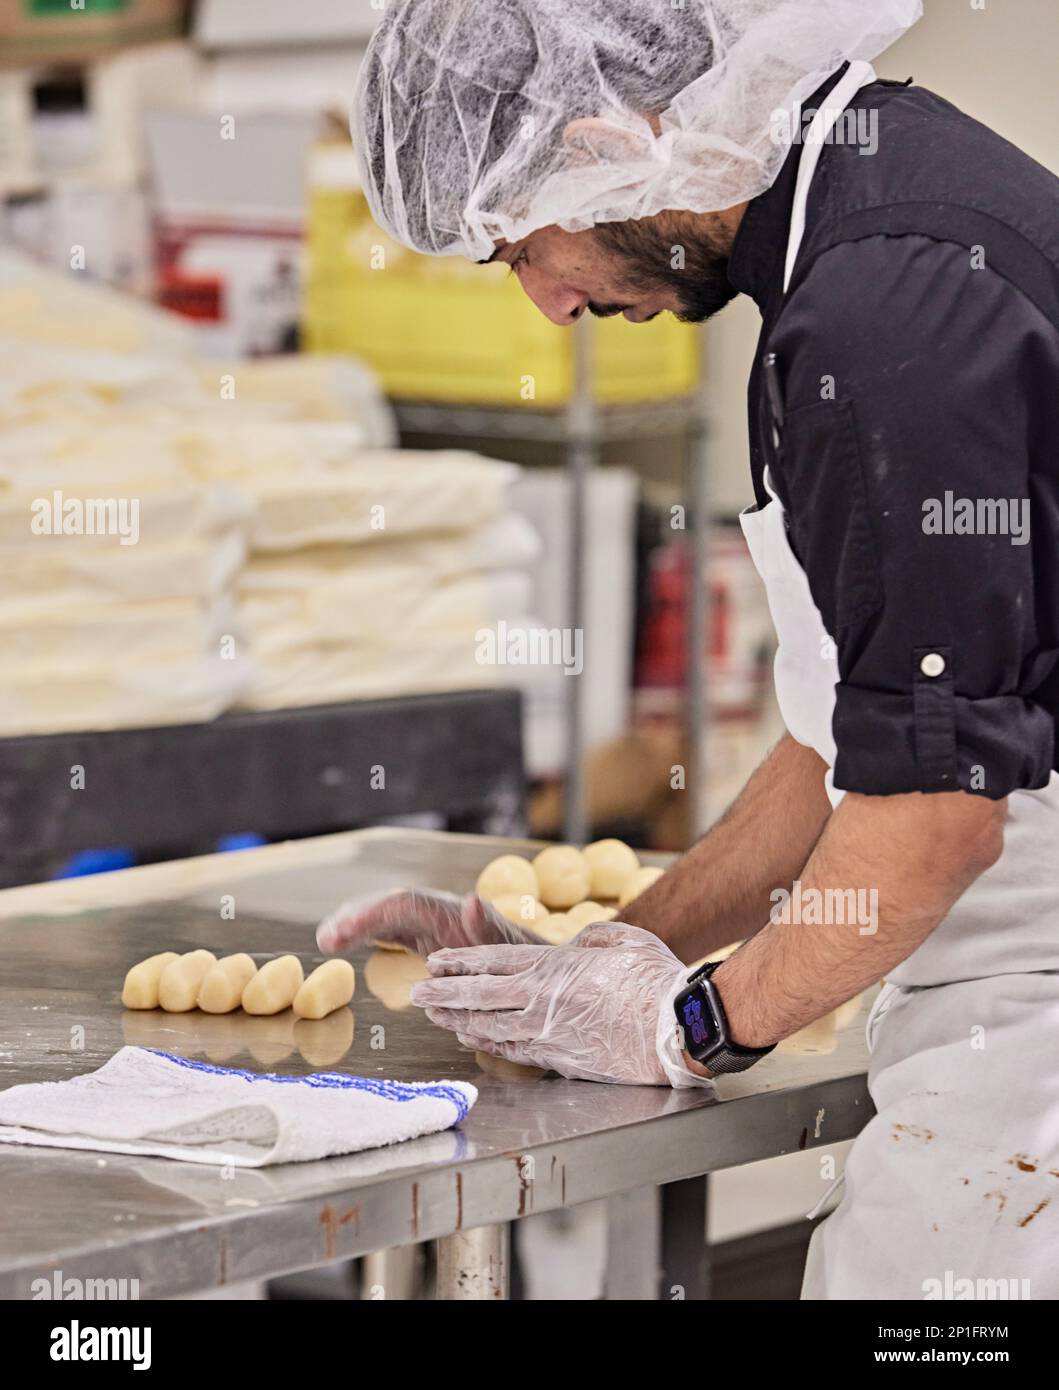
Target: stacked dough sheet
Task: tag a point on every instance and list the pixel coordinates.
(197, 979)
(260, 547)
(120, 582)
(375, 579)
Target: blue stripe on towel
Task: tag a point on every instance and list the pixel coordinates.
(336, 1081)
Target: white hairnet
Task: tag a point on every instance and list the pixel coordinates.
(483, 120)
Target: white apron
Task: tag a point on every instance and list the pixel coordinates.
(952, 1190)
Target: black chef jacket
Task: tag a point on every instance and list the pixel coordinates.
(917, 375)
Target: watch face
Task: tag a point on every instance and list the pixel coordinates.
(695, 1020)
(696, 1016)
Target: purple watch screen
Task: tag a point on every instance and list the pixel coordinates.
(695, 1020)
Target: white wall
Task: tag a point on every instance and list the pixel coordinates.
(994, 59)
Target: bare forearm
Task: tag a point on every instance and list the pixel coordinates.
(910, 856)
(720, 890)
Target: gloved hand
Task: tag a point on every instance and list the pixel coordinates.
(600, 1009)
(423, 922)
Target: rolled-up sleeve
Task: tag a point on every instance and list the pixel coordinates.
(918, 468)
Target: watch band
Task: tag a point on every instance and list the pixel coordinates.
(729, 1056)
(724, 1062)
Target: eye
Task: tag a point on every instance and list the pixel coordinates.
(521, 259)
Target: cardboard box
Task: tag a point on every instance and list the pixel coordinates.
(231, 171)
(229, 214)
(35, 32)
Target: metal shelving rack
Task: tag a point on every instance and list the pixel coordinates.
(582, 429)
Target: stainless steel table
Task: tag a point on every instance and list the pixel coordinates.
(525, 1148)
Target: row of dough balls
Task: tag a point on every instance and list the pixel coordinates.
(563, 888)
(197, 979)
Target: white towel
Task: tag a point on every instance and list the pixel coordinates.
(144, 1102)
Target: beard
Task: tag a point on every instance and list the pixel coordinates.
(669, 252)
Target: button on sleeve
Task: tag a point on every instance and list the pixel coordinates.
(918, 474)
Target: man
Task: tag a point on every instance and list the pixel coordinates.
(904, 421)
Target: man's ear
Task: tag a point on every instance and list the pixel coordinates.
(599, 141)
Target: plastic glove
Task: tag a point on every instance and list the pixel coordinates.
(600, 1009)
(422, 922)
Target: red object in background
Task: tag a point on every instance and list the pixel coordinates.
(662, 656)
(240, 284)
(198, 297)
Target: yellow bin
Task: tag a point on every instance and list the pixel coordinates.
(444, 329)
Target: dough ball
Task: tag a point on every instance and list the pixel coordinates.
(328, 988)
(639, 883)
(178, 984)
(509, 875)
(222, 985)
(390, 975)
(504, 1070)
(584, 913)
(388, 945)
(522, 909)
(274, 986)
(140, 990)
(611, 863)
(562, 875)
(557, 928)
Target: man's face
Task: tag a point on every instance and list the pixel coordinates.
(674, 261)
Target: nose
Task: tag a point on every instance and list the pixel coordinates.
(560, 303)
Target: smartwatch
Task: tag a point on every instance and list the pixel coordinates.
(704, 1022)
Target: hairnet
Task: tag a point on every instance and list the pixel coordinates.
(483, 120)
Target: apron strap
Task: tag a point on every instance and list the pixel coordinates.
(858, 75)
